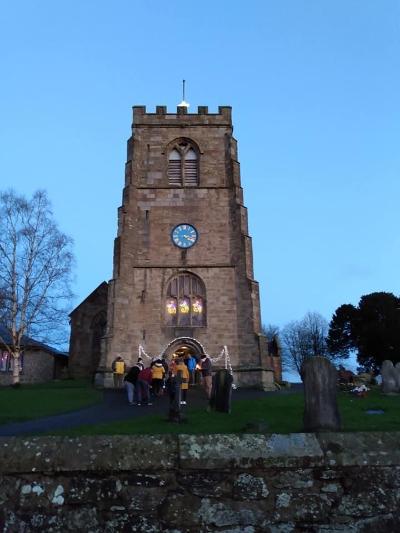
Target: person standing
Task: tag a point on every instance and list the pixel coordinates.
(206, 374)
(158, 373)
(143, 386)
(191, 364)
(172, 366)
(181, 367)
(130, 381)
(165, 365)
(118, 368)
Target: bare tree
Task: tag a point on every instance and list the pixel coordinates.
(35, 273)
(304, 338)
(273, 334)
(270, 331)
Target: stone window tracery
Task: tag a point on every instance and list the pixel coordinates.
(183, 167)
(185, 303)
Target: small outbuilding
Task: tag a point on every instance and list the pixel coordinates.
(38, 363)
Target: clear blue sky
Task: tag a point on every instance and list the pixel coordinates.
(315, 91)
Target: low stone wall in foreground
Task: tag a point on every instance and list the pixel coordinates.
(228, 483)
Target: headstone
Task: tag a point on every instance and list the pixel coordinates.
(321, 411)
(397, 375)
(221, 391)
(389, 378)
(175, 414)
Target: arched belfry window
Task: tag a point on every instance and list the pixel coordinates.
(175, 168)
(185, 303)
(183, 165)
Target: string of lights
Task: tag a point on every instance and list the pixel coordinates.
(224, 354)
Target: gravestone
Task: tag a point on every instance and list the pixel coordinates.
(221, 393)
(175, 414)
(389, 378)
(397, 375)
(321, 412)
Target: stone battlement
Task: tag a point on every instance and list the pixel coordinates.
(162, 116)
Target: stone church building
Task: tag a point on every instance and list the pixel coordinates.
(183, 267)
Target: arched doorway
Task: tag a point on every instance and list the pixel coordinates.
(182, 347)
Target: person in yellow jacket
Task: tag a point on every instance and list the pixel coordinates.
(157, 376)
(118, 368)
(180, 366)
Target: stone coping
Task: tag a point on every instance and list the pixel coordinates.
(201, 452)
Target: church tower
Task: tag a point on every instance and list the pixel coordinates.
(183, 267)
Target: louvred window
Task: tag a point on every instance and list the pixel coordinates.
(183, 166)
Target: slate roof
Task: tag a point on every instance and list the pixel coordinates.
(28, 342)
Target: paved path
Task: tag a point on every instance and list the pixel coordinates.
(115, 407)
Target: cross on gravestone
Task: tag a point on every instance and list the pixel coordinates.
(321, 412)
(389, 378)
(221, 393)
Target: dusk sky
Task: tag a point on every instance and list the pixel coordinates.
(315, 91)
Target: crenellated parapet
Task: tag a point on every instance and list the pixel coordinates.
(161, 116)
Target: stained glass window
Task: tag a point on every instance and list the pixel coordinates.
(171, 306)
(171, 311)
(184, 306)
(185, 301)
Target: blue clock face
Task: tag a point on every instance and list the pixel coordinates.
(184, 236)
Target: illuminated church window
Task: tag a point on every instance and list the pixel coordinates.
(171, 306)
(185, 301)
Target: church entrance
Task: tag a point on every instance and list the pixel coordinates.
(183, 347)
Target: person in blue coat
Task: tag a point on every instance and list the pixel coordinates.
(191, 363)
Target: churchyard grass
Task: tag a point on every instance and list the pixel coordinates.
(28, 402)
(272, 414)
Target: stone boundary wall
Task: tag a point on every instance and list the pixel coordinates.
(331, 482)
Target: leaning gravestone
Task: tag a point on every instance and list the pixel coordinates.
(321, 412)
(389, 377)
(222, 391)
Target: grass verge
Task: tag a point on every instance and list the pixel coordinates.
(28, 402)
(272, 414)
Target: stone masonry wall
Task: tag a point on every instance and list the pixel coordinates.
(188, 484)
(38, 367)
(83, 356)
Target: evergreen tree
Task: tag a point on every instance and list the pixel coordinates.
(372, 329)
